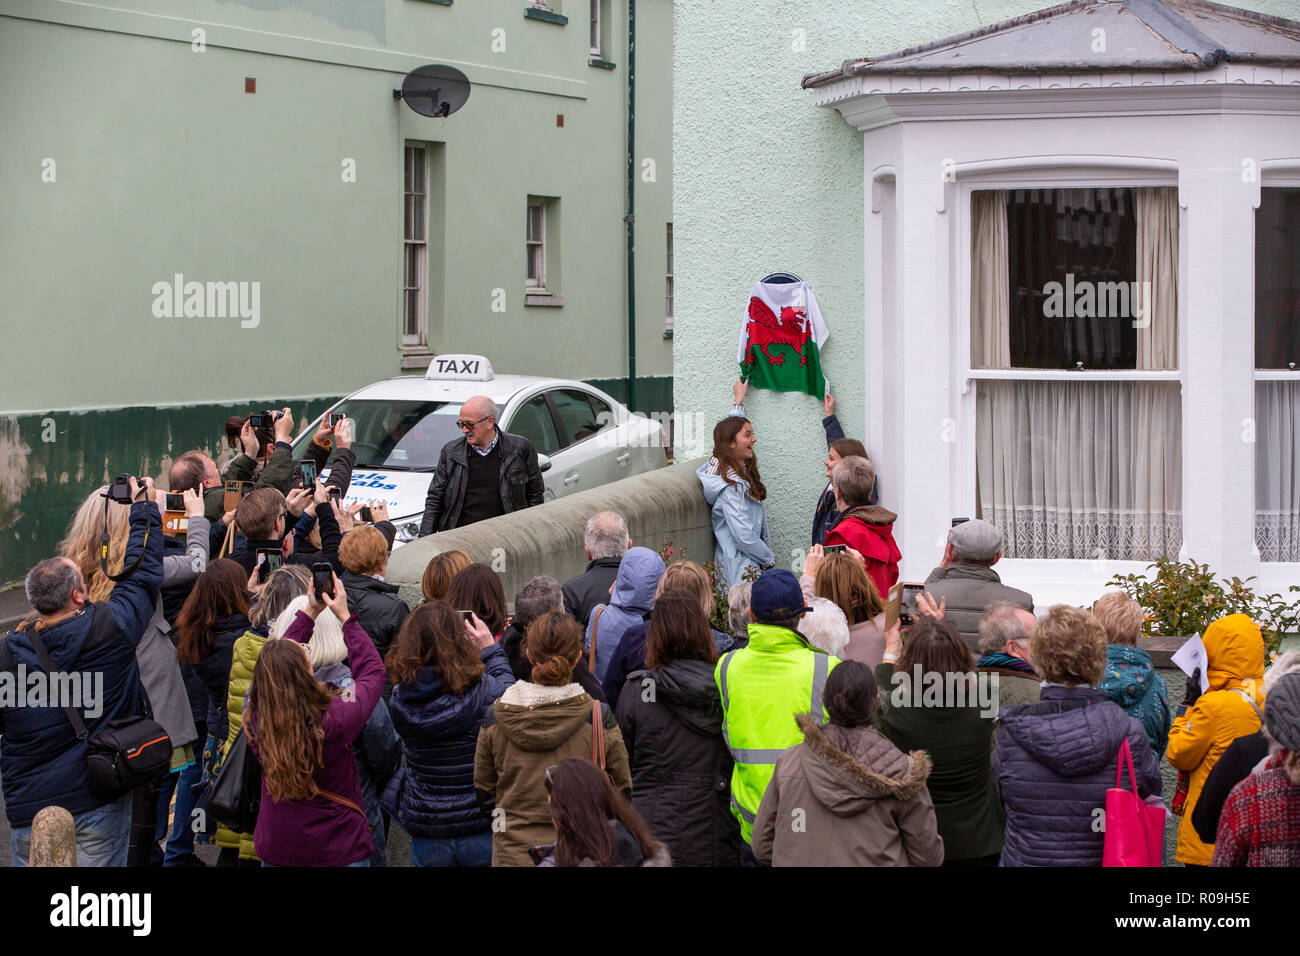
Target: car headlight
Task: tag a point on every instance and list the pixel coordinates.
(408, 531)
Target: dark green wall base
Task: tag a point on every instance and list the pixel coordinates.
(653, 394)
(50, 463)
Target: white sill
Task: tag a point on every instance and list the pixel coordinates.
(543, 299)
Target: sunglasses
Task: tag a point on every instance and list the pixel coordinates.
(549, 782)
(466, 426)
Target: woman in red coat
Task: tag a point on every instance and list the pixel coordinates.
(867, 529)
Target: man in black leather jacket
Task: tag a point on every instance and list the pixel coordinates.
(463, 489)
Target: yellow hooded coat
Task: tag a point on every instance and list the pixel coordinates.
(1235, 653)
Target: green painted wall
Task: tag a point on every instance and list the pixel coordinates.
(128, 157)
(164, 165)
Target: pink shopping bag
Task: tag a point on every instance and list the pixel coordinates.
(1135, 831)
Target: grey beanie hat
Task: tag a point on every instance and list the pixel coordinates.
(1282, 711)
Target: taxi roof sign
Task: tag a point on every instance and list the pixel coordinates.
(460, 368)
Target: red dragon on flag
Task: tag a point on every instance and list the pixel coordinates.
(765, 329)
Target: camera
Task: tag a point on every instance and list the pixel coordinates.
(264, 419)
(120, 490)
(173, 502)
(322, 579)
(335, 418)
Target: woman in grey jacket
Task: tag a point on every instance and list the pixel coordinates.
(160, 674)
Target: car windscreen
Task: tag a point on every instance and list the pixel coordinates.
(401, 435)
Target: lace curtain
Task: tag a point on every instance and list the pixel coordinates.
(1277, 470)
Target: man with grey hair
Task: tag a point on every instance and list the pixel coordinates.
(1005, 631)
(606, 541)
(540, 595)
(87, 652)
(966, 581)
(483, 474)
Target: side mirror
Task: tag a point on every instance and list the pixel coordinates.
(543, 462)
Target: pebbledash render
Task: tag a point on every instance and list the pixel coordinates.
(1078, 258)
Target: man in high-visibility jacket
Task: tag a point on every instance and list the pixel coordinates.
(763, 687)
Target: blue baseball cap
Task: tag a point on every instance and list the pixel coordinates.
(777, 596)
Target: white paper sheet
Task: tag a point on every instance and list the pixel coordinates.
(1191, 656)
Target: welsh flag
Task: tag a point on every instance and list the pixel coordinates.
(782, 338)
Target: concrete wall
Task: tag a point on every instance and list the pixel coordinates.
(661, 505)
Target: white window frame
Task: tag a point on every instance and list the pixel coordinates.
(535, 285)
(1289, 179)
(966, 378)
(594, 29)
(668, 282)
(419, 338)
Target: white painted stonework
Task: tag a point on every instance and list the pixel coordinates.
(1197, 131)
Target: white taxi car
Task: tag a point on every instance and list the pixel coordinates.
(584, 438)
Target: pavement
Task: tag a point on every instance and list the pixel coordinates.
(13, 608)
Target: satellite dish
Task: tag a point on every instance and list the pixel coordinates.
(434, 90)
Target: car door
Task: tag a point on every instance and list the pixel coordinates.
(534, 421)
(588, 430)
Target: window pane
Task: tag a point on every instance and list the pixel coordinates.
(411, 313)
(404, 435)
(417, 218)
(533, 421)
(1277, 279)
(1277, 470)
(1072, 257)
(534, 233)
(1081, 470)
(576, 414)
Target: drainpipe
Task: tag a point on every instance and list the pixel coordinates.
(630, 218)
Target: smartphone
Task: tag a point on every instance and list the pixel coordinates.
(894, 605)
(367, 514)
(322, 580)
(235, 491)
(336, 417)
(173, 502)
(268, 561)
(309, 474)
(336, 492)
(957, 521)
(469, 616)
(835, 549)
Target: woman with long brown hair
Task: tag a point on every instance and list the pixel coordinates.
(594, 824)
(441, 571)
(841, 578)
(447, 672)
(281, 587)
(535, 724)
(302, 731)
(735, 493)
(670, 714)
(478, 589)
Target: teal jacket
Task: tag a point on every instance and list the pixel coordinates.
(1131, 681)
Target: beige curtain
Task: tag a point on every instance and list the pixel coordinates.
(1157, 276)
(990, 302)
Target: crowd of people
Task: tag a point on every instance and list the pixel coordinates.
(611, 719)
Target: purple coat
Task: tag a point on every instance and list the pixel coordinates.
(1053, 762)
(320, 832)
